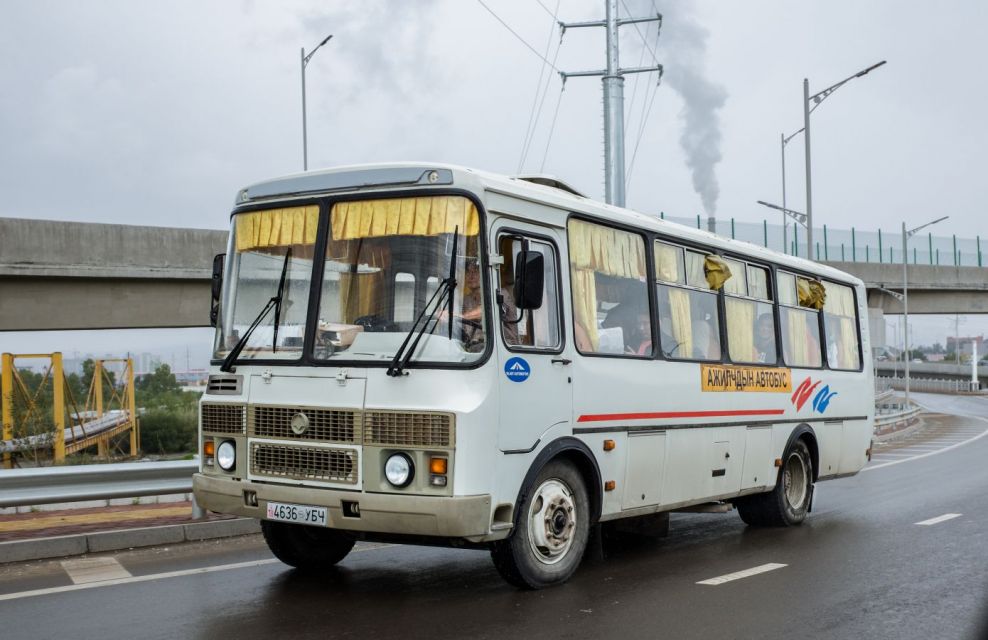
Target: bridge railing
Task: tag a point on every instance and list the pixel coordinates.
(848, 245)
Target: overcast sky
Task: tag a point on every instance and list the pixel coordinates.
(156, 113)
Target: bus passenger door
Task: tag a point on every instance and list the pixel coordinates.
(534, 385)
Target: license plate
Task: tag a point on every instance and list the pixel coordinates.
(299, 513)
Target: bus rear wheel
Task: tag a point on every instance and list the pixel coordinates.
(787, 504)
(551, 533)
(309, 549)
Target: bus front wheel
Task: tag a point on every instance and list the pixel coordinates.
(306, 548)
(552, 531)
(788, 503)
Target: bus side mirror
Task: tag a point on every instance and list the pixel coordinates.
(529, 279)
(217, 287)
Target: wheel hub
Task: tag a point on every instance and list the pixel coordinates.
(552, 521)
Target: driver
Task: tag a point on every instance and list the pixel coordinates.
(469, 312)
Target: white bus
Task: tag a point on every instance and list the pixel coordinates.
(434, 354)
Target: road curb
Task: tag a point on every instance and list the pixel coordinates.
(74, 545)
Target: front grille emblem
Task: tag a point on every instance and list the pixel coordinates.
(300, 422)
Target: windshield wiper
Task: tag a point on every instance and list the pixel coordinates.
(279, 297)
(273, 303)
(443, 296)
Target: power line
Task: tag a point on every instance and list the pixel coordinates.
(552, 127)
(643, 121)
(533, 119)
(546, 9)
(515, 34)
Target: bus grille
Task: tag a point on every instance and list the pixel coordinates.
(324, 425)
(222, 418)
(402, 428)
(292, 462)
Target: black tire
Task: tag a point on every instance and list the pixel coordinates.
(786, 505)
(309, 549)
(553, 526)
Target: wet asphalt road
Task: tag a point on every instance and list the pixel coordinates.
(860, 567)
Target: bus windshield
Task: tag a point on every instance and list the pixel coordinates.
(270, 253)
(385, 261)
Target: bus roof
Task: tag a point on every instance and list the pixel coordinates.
(539, 189)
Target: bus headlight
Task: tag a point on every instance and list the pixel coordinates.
(226, 455)
(399, 470)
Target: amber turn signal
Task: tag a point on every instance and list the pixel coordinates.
(209, 448)
(610, 485)
(437, 466)
(609, 445)
(778, 462)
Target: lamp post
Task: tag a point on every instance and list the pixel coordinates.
(305, 140)
(785, 225)
(817, 98)
(798, 217)
(905, 290)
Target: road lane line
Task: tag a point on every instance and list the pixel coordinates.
(872, 467)
(85, 570)
(747, 573)
(939, 519)
(156, 576)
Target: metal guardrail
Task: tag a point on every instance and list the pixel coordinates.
(49, 485)
(930, 385)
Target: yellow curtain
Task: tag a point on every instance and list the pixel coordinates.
(605, 250)
(585, 303)
(848, 345)
(798, 343)
(682, 323)
(423, 216)
(716, 271)
(741, 329)
(667, 259)
(839, 301)
(277, 227)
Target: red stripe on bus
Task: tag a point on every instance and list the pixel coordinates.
(680, 414)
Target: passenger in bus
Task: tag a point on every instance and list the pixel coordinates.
(470, 319)
(765, 338)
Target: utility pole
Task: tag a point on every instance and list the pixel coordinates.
(613, 81)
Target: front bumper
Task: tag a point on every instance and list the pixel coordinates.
(451, 517)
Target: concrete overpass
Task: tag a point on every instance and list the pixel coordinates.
(932, 288)
(71, 275)
(932, 371)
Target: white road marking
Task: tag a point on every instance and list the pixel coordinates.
(984, 433)
(86, 570)
(747, 573)
(156, 576)
(939, 519)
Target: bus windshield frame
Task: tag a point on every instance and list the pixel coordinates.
(359, 270)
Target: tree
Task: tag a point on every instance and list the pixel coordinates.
(169, 415)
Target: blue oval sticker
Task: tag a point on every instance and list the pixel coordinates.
(517, 370)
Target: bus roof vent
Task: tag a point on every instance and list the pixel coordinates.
(550, 181)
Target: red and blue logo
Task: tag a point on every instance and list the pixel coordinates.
(806, 388)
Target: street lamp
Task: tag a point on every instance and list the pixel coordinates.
(905, 290)
(817, 98)
(798, 217)
(785, 225)
(305, 140)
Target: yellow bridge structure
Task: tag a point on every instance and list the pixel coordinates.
(49, 417)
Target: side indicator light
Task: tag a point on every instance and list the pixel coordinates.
(610, 485)
(609, 445)
(778, 462)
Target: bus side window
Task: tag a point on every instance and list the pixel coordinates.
(749, 315)
(799, 314)
(841, 326)
(610, 290)
(534, 328)
(689, 324)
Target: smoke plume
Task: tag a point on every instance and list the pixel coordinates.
(682, 52)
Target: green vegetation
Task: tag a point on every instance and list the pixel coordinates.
(168, 423)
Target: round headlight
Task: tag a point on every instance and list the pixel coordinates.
(399, 470)
(226, 455)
